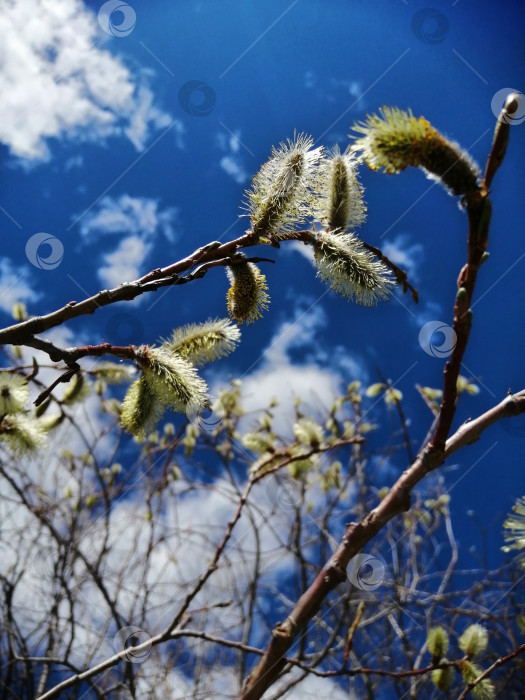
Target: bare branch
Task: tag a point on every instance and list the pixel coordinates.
(357, 535)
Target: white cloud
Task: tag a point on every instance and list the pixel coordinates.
(139, 216)
(123, 264)
(145, 118)
(408, 256)
(309, 79)
(316, 380)
(305, 250)
(74, 162)
(299, 332)
(353, 87)
(313, 688)
(55, 82)
(14, 285)
(232, 163)
(233, 167)
(356, 90)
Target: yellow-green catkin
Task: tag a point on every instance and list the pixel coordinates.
(340, 205)
(284, 187)
(515, 531)
(247, 296)
(200, 343)
(397, 139)
(350, 269)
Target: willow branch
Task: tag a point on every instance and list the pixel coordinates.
(213, 254)
(19, 333)
(502, 660)
(357, 535)
(400, 275)
(479, 211)
(500, 141)
(429, 458)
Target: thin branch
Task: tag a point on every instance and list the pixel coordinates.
(500, 141)
(400, 275)
(213, 254)
(62, 379)
(502, 660)
(357, 535)
(479, 210)
(160, 277)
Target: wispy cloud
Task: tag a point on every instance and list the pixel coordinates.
(316, 377)
(142, 221)
(124, 263)
(232, 163)
(140, 216)
(409, 256)
(55, 82)
(14, 285)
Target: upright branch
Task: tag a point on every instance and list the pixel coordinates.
(393, 143)
(479, 210)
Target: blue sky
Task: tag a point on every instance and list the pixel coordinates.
(104, 146)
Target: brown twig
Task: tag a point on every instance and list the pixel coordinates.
(211, 255)
(62, 379)
(479, 211)
(19, 333)
(429, 458)
(400, 275)
(351, 632)
(357, 535)
(502, 660)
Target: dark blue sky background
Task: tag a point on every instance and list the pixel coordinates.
(269, 69)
